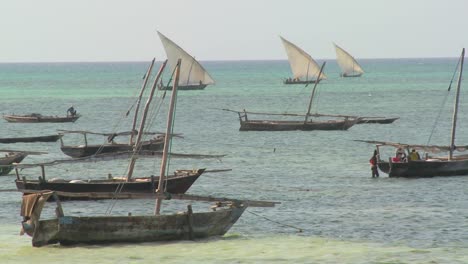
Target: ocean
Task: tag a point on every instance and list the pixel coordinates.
(330, 211)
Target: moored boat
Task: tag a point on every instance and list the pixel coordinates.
(38, 118)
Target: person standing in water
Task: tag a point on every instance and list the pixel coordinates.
(373, 162)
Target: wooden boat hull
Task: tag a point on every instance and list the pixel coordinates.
(424, 169)
(298, 82)
(178, 183)
(369, 120)
(89, 150)
(51, 138)
(351, 75)
(271, 125)
(15, 158)
(39, 119)
(70, 230)
(185, 87)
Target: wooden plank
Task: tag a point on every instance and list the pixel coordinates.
(191, 197)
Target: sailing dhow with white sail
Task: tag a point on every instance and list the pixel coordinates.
(349, 66)
(305, 69)
(192, 74)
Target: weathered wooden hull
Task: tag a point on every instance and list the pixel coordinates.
(69, 230)
(272, 125)
(369, 120)
(299, 82)
(51, 138)
(39, 119)
(15, 158)
(185, 87)
(178, 183)
(423, 168)
(89, 150)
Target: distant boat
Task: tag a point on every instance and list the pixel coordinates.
(51, 138)
(305, 124)
(38, 118)
(192, 74)
(349, 66)
(305, 69)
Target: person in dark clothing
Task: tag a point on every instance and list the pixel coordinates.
(373, 162)
(71, 111)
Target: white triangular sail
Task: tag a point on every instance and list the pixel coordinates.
(349, 66)
(191, 71)
(302, 65)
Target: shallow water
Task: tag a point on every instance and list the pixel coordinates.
(322, 179)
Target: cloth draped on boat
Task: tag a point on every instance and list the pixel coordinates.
(31, 209)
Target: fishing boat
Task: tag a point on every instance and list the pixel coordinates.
(179, 182)
(49, 138)
(110, 146)
(429, 165)
(8, 159)
(377, 120)
(86, 149)
(38, 118)
(349, 66)
(305, 69)
(192, 74)
(69, 230)
(338, 123)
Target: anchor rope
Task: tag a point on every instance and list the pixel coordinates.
(299, 230)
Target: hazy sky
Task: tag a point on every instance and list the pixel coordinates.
(125, 30)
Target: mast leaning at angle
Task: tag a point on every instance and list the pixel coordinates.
(136, 146)
(148, 73)
(455, 111)
(167, 139)
(313, 92)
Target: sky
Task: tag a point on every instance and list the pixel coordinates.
(126, 30)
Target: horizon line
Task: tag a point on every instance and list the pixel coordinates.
(224, 60)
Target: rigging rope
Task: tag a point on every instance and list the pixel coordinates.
(299, 230)
(443, 103)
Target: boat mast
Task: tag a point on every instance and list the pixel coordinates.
(167, 139)
(137, 144)
(313, 92)
(148, 73)
(455, 111)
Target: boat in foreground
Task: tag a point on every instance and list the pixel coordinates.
(38, 118)
(69, 230)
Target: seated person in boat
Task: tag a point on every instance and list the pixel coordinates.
(400, 155)
(414, 155)
(71, 111)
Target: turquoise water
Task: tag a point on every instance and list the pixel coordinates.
(322, 179)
